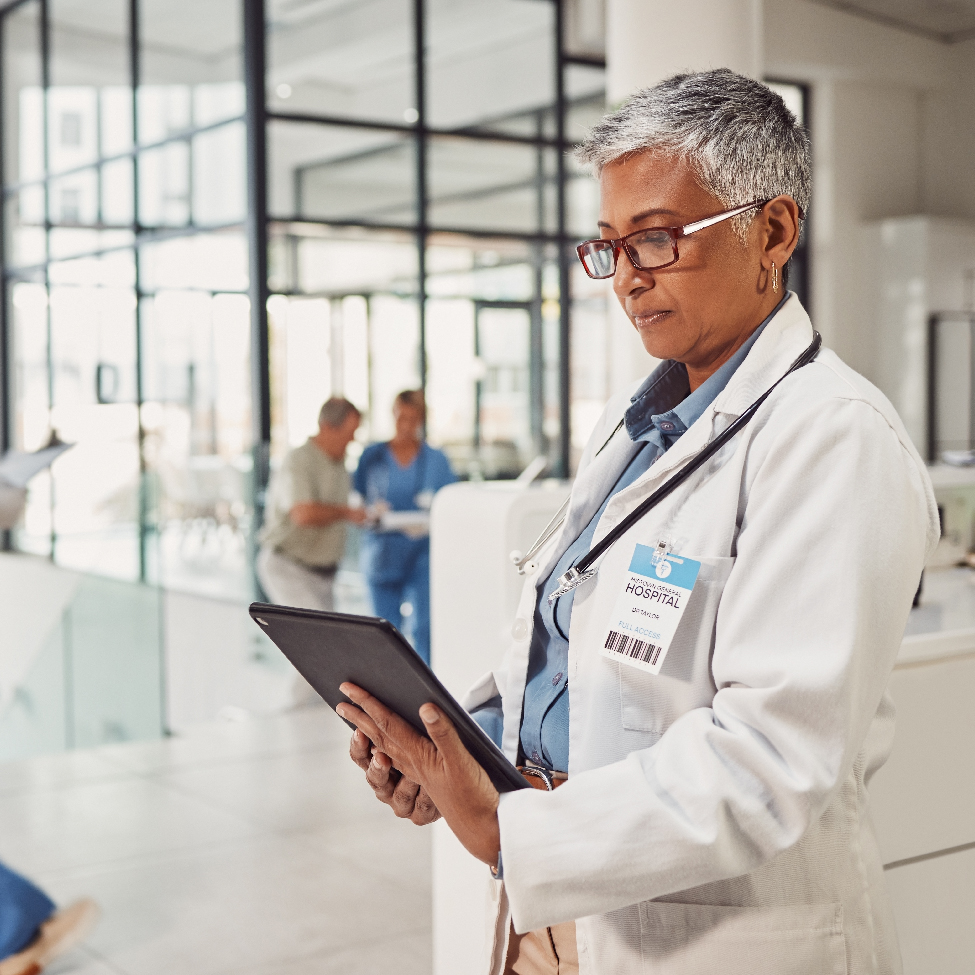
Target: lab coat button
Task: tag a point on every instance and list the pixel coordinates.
(666, 426)
(519, 629)
(536, 757)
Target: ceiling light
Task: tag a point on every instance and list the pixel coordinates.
(283, 90)
(411, 115)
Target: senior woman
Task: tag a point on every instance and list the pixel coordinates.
(712, 742)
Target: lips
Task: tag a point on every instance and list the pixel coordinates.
(647, 319)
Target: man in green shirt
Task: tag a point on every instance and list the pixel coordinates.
(305, 517)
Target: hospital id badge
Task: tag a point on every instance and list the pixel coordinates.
(655, 592)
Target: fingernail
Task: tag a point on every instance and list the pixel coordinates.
(429, 714)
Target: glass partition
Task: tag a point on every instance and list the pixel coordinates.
(415, 231)
(490, 65)
(342, 60)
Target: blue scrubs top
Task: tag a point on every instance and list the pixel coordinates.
(380, 477)
(661, 411)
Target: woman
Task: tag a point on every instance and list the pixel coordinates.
(402, 475)
(714, 816)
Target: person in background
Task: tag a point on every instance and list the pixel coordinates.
(32, 931)
(401, 475)
(307, 510)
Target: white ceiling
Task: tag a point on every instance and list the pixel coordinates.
(943, 20)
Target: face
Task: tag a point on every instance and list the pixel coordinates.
(338, 438)
(408, 420)
(701, 309)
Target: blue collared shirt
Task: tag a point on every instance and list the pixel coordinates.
(660, 412)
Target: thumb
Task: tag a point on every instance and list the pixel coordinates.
(441, 731)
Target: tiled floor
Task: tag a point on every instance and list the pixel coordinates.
(251, 847)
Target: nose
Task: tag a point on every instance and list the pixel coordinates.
(629, 281)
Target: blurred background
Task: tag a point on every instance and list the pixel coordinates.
(219, 213)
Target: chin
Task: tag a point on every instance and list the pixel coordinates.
(659, 344)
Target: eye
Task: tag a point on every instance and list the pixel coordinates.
(652, 238)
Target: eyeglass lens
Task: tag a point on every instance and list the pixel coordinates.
(652, 249)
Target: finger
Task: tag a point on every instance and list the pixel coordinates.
(359, 749)
(403, 798)
(364, 724)
(382, 777)
(443, 734)
(388, 722)
(408, 749)
(424, 809)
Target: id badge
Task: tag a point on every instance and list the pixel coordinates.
(649, 608)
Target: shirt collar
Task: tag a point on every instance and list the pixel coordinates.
(665, 407)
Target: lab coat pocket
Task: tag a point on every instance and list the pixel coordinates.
(652, 702)
(701, 939)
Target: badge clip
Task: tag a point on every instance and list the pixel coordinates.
(568, 581)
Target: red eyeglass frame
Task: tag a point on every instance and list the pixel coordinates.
(675, 234)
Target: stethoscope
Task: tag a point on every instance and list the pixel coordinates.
(585, 568)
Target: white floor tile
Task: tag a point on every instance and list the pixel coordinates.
(250, 848)
(101, 822)
(297, 730)
(256, 903)
(81, 961)
(57, 771)
(304, 790)
(407, 955)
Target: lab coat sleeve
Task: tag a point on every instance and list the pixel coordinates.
(835, 522)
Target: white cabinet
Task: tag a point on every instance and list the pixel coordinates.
(474, 590)
(914, 267)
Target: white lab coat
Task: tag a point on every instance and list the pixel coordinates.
(716, 816)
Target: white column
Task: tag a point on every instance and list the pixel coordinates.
(649, 40)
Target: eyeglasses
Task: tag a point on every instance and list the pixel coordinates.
(650, 249)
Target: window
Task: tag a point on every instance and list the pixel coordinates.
(420, 218)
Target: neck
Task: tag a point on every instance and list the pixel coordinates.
(324, 443)
(405, 441)
(699, 372)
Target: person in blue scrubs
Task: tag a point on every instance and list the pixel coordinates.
(32, 931)
(401, 475)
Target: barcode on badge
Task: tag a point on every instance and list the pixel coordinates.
(630, 646)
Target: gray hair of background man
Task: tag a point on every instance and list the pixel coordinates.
(335, 411)
(736, 133)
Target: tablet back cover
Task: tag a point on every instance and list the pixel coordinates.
(330, 648)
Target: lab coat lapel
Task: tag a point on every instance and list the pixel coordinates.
(588, 493)
(780, 344)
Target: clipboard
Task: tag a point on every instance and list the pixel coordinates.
(328, 649)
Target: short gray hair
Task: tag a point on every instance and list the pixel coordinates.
(336, 411)
(736, 133)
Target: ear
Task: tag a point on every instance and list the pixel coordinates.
(778, 230)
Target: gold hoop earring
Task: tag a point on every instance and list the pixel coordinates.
(775, 277)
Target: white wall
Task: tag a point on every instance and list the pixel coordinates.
(893, 131)
(892, 117)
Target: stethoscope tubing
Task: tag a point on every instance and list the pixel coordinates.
(699, 459)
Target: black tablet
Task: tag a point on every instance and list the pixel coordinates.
(330, 648)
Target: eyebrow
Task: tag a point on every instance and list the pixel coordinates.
(640, 217)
